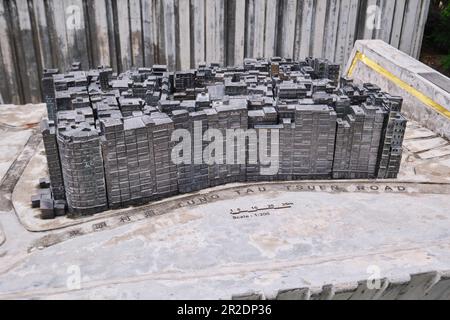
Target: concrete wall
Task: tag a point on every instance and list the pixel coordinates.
(423, 286)
(181, 33)
(425, 92)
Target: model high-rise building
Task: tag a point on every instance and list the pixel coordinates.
(109, 138)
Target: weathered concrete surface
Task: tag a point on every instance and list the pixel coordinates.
(305, 240)
(16, 123)
(24, 116)
(11, 144)
(422, 160)
(203, 252)
(408, 70)
(185, 33)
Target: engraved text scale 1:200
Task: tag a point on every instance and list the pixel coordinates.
(109, 138)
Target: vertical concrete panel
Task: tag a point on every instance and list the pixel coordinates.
(387, 19)
(250, 28)
(169, 33)
(160, 38)
(184, 31)
(351, 29)
(99, 32)
(319, 28)
(198, 21)
(287, 33)
(368, 19)
(331, 29)
(260, 21)
(306, 29)
(270, 31)
(256, 16)
(220, 31)
(420, 28)
(123, 26)
(397, 24)
(76, 32)
(136, 33)
(149, 32)
(298, 30)
(26, 51)
(342, 31)
(412, 16)
(239, 36)
(109, 13)
(10, 85)
(57, 30)
(43, 37)
(215, 39)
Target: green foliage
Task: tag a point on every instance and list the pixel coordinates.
(441, 30)
(444, 38)
(437, 33)
(446, 10)
(446, 62)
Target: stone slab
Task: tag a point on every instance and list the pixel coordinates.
(437, 79)
(418, 133)
(436, 153)
(422, 145)
(28, 115)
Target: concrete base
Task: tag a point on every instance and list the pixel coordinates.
(293, 240)
(415, 80)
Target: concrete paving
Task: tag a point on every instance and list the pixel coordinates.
(16, 129)
(269, 240)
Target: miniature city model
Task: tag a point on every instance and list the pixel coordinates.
(108, 137)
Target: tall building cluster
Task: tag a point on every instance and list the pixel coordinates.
(109, 137)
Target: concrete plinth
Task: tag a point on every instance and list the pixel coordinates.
(425, 91)
(288, 240)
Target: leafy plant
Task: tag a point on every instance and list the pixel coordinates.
(446, 62)
(439, 29)
(442, 29)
